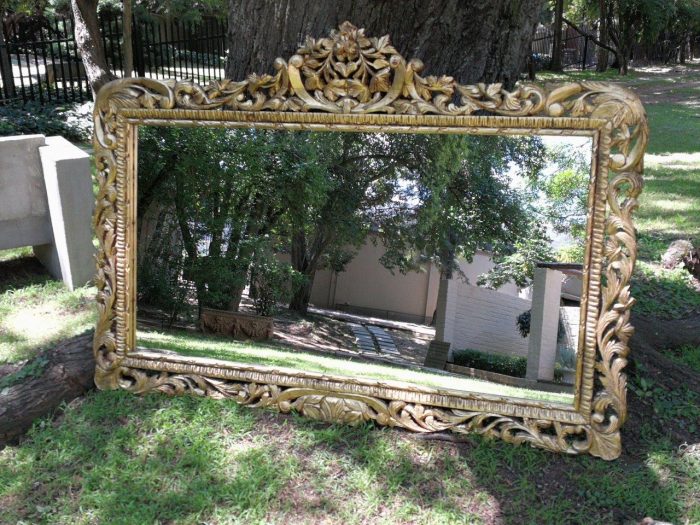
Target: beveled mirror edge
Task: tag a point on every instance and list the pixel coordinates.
(401, 90)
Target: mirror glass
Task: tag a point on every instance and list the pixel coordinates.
(448, 261)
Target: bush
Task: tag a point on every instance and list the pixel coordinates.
(501, 364)
(273, 282)
(71, 121)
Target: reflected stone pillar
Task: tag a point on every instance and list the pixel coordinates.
(440, 351)
(544, 324)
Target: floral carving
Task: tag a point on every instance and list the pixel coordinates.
(349, 73)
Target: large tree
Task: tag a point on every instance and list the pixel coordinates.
(89, 42)
(473, 41)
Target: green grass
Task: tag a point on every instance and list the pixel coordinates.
(611, 75)
(687, 355)
(15, 253)
(119, 458)
(273, 355)
(35, 310)
(665, 294)
(673, 128)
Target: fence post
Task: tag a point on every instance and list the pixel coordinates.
(139, 63)
(8, 79)
(585, 53)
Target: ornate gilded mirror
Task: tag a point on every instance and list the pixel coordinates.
(356, 241)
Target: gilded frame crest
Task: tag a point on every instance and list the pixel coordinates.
(353, 82)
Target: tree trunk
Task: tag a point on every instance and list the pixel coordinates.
(302, 296)
(684, 44)
(8, 80)
(127, 20)
(472, 41)
(66, 373)
(602, 55)
(556, 64)
(89, 42)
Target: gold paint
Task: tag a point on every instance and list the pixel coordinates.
(351, 82)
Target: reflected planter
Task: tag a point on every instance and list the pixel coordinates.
(238, 325)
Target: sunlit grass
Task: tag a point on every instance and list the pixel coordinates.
(270, 355)
(36, 310)
(15, 253)
(670, 203)
(38, 315)
(673, 127)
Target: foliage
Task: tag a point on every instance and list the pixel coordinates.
(501, 364)
(182, 9)
(573, 253)
(519, 264)
(208, 196)
(185, 11)
(558, 196)
(273, 282)
(523, 323)
(464, 200)
(641, 21)
(69, 121)
(215, 194)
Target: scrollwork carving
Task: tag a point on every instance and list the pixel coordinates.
(349, 73)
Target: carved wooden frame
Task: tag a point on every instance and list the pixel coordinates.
(352, 82)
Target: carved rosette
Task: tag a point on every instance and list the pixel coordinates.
(351, 73)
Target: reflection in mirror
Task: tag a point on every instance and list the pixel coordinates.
(449, 261)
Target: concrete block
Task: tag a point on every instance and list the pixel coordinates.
(66, 173)
(24, 211)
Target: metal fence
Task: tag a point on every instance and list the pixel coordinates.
(40, 62)
(578, 49)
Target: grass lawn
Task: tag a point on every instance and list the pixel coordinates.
(283, 356)
(116, 458)
(35, 310)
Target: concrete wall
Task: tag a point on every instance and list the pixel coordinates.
(46, 202)
(366, 286)
(480, 319)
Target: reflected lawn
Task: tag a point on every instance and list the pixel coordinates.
(270, 354)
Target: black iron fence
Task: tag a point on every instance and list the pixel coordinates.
(578, 49)
(39, 59)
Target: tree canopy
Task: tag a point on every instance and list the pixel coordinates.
(216, 204)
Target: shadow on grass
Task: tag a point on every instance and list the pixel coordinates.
(500, 483)
(120, 458)
(20, 272)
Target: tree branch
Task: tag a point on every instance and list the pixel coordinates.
(594, 39)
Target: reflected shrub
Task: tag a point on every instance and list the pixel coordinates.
(515, 366)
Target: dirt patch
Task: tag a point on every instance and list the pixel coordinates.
(672, 84)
